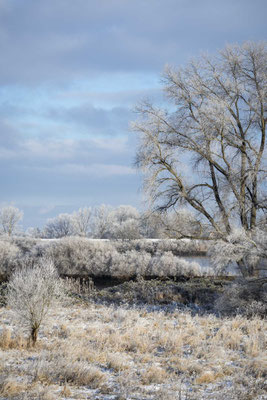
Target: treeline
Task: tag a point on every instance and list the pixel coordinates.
(106, 222)
(102, 222)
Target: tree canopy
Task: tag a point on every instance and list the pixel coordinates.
(207, 148)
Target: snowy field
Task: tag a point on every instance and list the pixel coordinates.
(90, 351)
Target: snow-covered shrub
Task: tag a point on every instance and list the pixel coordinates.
(30, 293)
(166, 264)
(25, 244)
(81, 256)
(8, 254)
(130, 264)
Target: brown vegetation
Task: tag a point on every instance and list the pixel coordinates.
(98, 352)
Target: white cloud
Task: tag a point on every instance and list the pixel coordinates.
(96, 170)
(46, 210)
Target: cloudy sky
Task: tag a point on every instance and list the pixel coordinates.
(70, 75)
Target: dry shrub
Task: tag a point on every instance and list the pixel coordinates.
(154, 374)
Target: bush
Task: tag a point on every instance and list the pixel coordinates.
(30, 293)
(80, 256)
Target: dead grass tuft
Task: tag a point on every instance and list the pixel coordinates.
(11, 387)
(117, 362)
(154, 374)
(9, 342)
(208, 377)
(66, 392)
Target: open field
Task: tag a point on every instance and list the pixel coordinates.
(189, 337)
(105, 351)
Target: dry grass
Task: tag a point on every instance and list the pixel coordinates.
(10, 387)
(9, 342)
(99, 351)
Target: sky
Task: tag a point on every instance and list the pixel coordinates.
(71, 73)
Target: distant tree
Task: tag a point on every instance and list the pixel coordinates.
(59, 227)
(116, 223)
(125, 223)
(30, 293)
(151, 225)
(9, 219)
(34, 232)
(101, 225)
(208, 150)
(82, 221)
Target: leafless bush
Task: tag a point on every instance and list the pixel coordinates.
(31, 292)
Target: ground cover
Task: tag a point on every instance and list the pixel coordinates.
(119, 350)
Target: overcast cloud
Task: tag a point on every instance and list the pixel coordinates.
(70, 75)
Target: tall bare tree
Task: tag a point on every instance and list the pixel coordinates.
(208, 149)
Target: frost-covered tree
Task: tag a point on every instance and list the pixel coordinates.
(239, 246)
(30, 293)
(124, 223)
(82, 221)
(102, 222)
(9, 219)
(208, 149)
(59, 227)
(152, 225)
(182, 223)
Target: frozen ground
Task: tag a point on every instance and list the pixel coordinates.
(93, 351)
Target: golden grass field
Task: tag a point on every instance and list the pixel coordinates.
(93, 351)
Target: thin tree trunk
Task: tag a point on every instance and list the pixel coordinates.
(34, 334)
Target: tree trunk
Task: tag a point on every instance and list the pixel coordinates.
(34, 333)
